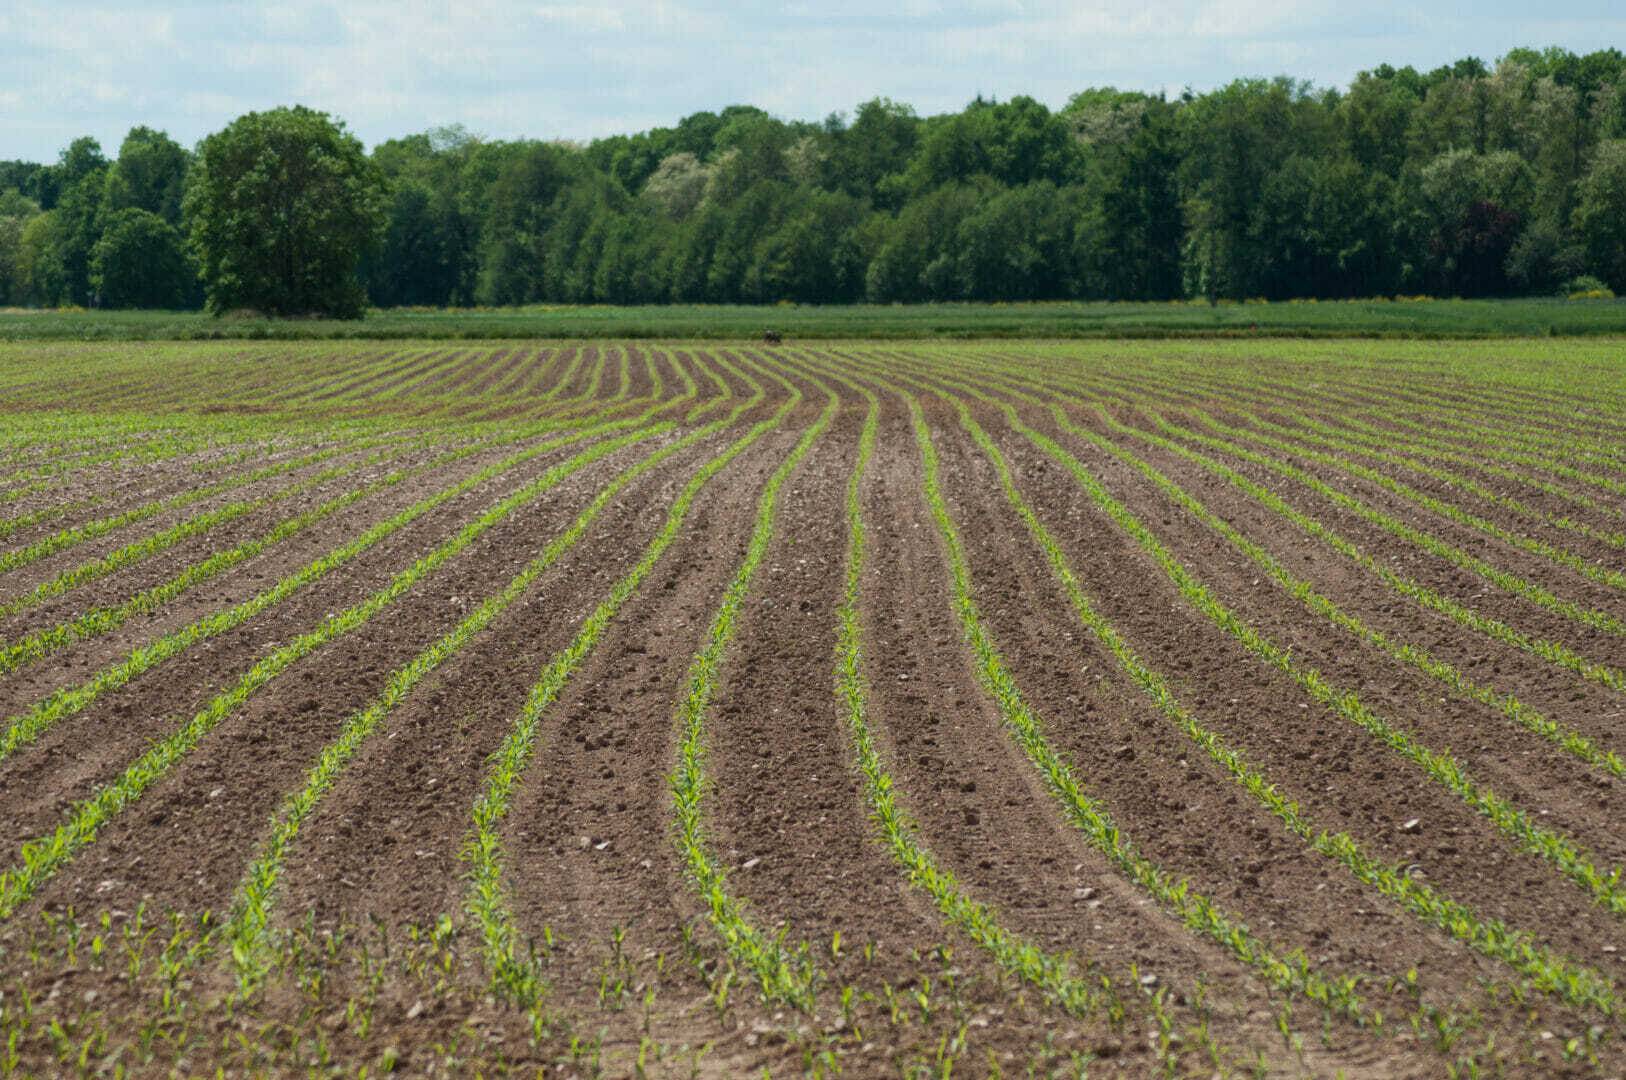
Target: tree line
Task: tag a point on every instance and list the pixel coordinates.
(1468, 180)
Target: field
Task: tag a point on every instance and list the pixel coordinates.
(1409, 318)
(999, 708)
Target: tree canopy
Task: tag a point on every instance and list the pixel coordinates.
(141, 262)
(282, 206)
(1471, 179)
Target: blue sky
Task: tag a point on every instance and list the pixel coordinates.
(507, 68)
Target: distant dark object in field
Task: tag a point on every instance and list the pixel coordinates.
(771, 337)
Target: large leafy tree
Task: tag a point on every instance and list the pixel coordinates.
(1014, 142)
(1127, 231)
(1016, 245)
(16, 210)
(75, 188)
(283, 205)
(874, 150)
(140, 262)
(149, 175)
(39, 260)
(1600, 214)
(517, 214)
(428, 251)
(1237, 140)
(418, 262)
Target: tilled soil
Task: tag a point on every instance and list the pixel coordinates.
(1306, 750)
(376, 955)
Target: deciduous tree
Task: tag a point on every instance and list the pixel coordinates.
(283, 206)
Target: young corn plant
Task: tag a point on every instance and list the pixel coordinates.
(512, 972)
(784, 974)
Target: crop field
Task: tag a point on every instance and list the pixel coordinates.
(875, 709)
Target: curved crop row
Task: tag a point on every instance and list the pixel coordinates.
(507, 387)
(1555, 652)
(65, 464)
(1373, 444)
(37, 645)
(1197, 911)
(25, 727)
(67, 538)
(784, 974)
(1412, 655)
(1485, 443)
(197, 525)
(361, 381)
(1552, 972)
(1560, 556)
(1482, 462)
(248, 924)
(1051, 974)
(511, 970)
(363, 385)
(40, 858)
(1348, 435)
(1456, 556)
(1560, 851)
(1198, 390)
(1286, 438)
(1345, 400)
(1415, 656)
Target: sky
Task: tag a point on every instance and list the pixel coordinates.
(511, 68)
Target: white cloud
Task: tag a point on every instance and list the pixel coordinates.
(513, 68)
(582, 16)
(1254, 18)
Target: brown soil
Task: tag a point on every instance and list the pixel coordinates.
(634, 965)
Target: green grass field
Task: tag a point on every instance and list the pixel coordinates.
(1356, 318)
